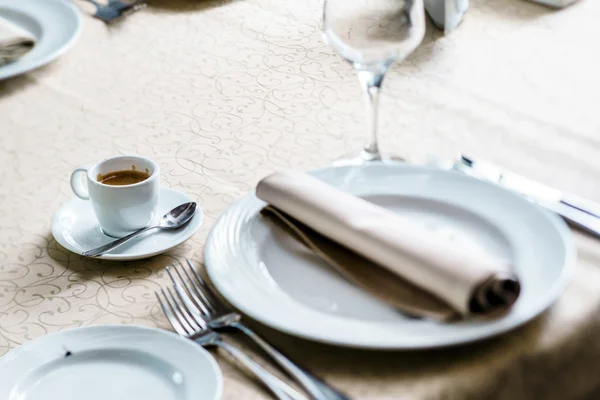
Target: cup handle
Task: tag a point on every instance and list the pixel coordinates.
(77, 185)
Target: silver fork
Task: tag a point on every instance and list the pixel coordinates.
(116, 10)
(188, 325)
(206, 305)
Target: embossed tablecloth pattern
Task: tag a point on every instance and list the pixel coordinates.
(221, 94)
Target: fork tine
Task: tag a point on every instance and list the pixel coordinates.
(188, 306)
(184, 312)
(188, 329)
(124, 12)
(197, 285)
(203, 309)
(170, 317)
(197, 318)
(169, 312)
(207, 293)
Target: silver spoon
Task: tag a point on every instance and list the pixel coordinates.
(174, 219)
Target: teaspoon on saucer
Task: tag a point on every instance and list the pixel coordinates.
(172, 220)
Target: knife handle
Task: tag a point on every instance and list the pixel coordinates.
(581, 204)
(577, 210)
(576, 216)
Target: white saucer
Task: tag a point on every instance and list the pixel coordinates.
(117, 362)
(74, 226)
(259, 272)
(56, 24)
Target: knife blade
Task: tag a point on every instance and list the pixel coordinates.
(581, 212)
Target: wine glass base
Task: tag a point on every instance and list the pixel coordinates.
(366, 158)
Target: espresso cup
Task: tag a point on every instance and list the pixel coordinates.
(120, 210)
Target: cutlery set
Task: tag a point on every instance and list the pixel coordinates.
(195, 312)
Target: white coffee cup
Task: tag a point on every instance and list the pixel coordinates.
(120, 210)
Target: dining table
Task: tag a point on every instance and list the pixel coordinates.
(222, 93)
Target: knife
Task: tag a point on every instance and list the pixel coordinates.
(578, 211)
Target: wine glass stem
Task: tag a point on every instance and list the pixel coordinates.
(371, 84)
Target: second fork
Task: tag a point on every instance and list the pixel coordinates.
(187, 325)
(206, 305)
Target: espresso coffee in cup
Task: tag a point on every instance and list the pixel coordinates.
(123, 192)
(122, 178)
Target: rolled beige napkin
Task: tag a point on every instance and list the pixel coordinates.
(15, 41)
(411, 268)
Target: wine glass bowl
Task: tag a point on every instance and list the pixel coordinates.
(371, 35)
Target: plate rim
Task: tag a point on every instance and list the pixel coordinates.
(554, 292)
(214, 365)
(59, 51)
(127, 257)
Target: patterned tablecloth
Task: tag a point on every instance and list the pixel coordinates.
(222, 93)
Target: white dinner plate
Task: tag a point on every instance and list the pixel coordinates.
(258, 271)
(116, 362)
(56, 24)
(75, 227)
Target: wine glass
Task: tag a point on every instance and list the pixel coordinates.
(371, 35)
